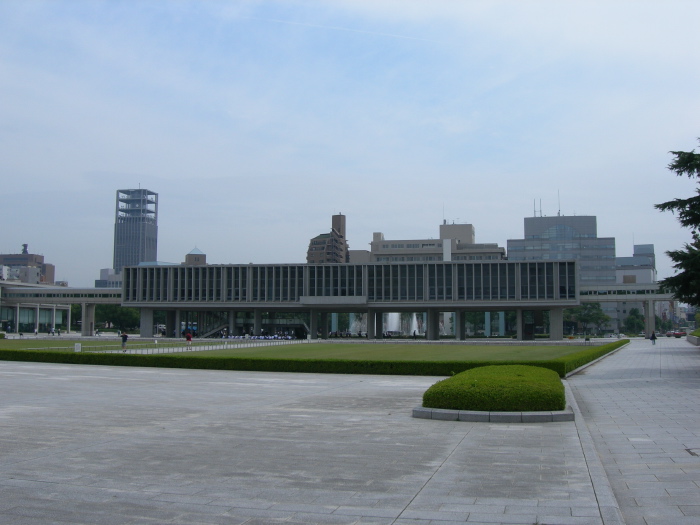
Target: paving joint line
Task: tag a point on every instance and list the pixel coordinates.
(608, 506)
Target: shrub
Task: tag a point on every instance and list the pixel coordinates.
(509, 388)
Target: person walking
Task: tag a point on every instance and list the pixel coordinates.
(124, 339)
(188, 338)
(653, 337)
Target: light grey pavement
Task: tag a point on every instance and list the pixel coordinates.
(104, 445)
(642, 408)
(98, 444)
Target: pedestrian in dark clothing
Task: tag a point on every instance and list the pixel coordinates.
(653, 338)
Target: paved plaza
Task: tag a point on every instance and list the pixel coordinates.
(642, 407)
(117, 445)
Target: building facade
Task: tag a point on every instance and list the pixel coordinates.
(135, 228)
(222, 291)
(456, 242)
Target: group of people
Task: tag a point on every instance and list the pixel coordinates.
(263, 337)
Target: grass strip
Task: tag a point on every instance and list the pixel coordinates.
(193, 360)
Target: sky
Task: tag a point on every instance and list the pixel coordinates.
(256, 121)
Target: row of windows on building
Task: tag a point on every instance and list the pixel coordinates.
(412, 246)
(418, 258)
(559, 246)
(395, 282)
(60, 295)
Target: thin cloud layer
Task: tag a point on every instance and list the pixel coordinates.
(256, 121)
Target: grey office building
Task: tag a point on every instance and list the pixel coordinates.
(135, 228)
(569, 238)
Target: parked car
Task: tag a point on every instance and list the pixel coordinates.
(679, 333)
(669, 334)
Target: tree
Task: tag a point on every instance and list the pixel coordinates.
(685, 284)
(634, 323)
(121, 317)
(76, 314)
(587, 314)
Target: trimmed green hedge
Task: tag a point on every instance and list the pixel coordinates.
(561, 366)
(510, 388)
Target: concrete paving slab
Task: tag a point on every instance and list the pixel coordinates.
(97, 444)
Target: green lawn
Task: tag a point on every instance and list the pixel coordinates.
(399, 352)
(364, 351)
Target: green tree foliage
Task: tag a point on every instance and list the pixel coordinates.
(588, 314)
(685, 284)
(76, 314)
(634, 323)
(663, 325)
(117, 316)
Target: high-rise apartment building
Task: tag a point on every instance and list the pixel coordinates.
(329, 247)
(135, 228)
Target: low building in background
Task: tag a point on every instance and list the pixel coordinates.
(456, 243)
(27, 267)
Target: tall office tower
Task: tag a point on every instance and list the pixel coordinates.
(135, 228)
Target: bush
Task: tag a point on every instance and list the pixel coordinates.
(509, 388)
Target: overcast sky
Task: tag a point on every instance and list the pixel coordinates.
(257, 121)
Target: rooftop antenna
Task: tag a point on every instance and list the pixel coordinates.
(534, 207)
(558, 204)
(541, 208)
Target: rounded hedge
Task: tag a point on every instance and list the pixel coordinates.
(499, 388)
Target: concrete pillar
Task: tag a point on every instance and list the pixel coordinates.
(487, 324)
(313, 324)
(69, 320)
(178, 325)
(371, 324)
(501, 323)
(36, 318)
(257, 322)
(650, 318)
(146, 328)
(556, 324)
(232, 322)
(88, 319)
(53, 317)
(433, 332)
(324, 325)
(170, 325)
(334, 322)
(459, 325)
(17, 319)
(519, 324)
